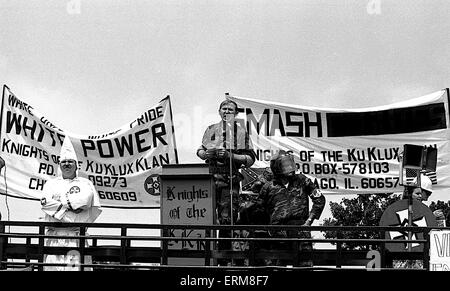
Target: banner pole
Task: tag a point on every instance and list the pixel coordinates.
(448, 102)
(1, 126)
(1, 110)
(173, 130)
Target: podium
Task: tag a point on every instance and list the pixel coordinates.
(187, 198)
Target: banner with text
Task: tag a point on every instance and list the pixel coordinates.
(350, 151)
(123, 165)
(440, 250)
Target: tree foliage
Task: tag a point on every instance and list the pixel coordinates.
(363, 210)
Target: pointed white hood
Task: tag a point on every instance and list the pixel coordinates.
(67, 150)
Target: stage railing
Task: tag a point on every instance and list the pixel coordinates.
(26, 249)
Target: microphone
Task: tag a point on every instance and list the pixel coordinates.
(229, 117)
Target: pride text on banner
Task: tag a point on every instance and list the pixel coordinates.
(123, 165)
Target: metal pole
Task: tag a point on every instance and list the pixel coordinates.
(231, 183)
(410, 212)
(231, 177)
(410, 204)
(231, 142)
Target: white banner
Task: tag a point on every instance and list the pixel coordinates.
(123, 164)
(440, 250)
(350, 151)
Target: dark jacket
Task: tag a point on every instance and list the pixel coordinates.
(292, 203)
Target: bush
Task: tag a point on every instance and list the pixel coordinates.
(364, 210)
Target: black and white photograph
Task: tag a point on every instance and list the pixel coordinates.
(225, 144)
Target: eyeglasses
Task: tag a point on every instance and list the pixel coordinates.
(67, 162)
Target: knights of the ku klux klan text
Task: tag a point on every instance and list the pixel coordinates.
(349, 151)
(120, 163)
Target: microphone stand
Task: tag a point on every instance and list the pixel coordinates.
(410, 212)
(231, 143)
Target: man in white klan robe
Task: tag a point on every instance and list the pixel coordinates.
(68, 198)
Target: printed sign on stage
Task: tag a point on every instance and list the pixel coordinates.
(187, 198)
(440, 250)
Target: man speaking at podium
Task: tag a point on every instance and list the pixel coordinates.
(226, 147)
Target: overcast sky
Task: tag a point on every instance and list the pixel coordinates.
(92, 66)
